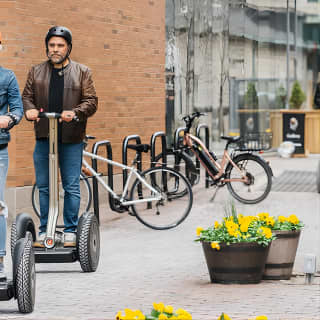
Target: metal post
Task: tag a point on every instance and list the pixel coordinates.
(53, 180)
(288, 55)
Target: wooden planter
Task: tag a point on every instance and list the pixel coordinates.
(281, 255)
(236, 263)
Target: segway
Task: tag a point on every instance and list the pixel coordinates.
(22, 286)
(87, 250)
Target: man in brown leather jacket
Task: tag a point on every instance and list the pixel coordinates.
(63, 86)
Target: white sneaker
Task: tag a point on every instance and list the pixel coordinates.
(39, 243)
(70, 239)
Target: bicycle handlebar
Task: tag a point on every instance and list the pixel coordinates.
(190, 118)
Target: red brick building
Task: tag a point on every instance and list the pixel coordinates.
(122, 41)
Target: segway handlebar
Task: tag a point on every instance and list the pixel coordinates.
(53, 115)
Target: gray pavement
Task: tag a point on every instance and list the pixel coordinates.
(140, 266)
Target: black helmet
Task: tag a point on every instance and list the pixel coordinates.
(59, 31)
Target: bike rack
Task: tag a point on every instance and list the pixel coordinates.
(153, 140)
(198, 131)
(95, 186)
(177, 136)
(125, 143)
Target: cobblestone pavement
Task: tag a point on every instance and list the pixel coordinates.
(139, 266)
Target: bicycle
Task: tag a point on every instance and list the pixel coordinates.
(247, 175)
(179, 157)
(160, 198)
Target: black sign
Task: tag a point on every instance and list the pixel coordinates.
(293, 130)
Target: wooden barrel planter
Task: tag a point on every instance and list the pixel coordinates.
(281, 255)
(236, 263)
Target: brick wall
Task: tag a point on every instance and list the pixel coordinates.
(122, 41)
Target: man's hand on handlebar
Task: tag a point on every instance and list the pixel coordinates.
(67, 116)
(35, 115)
(32, 114)
(4, 122)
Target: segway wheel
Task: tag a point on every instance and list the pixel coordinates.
(88, 242)
(24, 274)
(19, 229)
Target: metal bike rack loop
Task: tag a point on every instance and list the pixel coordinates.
(95, 185)
(125, 143)
(153, 141)
(198, 131)
(177, 137)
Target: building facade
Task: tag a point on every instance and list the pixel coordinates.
(215, 48)
(123, 42)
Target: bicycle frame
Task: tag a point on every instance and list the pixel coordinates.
(132, 172)
(189, 140)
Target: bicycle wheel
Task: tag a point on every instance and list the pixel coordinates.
(177, 161)
(258, 173)
(175, 204)
(85, 194)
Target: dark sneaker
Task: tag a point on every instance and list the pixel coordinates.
(70, 239)
(39, 243)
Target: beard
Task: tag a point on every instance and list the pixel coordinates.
(56, 58)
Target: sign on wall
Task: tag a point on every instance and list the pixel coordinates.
(293, 130)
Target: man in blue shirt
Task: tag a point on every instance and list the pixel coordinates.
(11, 111)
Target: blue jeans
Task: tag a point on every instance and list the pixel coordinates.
(4, 162)
(70, 161)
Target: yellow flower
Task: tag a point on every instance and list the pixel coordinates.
(261, 318)
(244, 227)
(216, 225)
(263, 215)
(282, 219)
(158, 306)
(293, 219)
(168, 309)
(162, 316)
(215, 245)
(184, 316)
(199, 229)
(131, 315)
(119, 316)
(270, 221)
(225, 317)
(266, 232)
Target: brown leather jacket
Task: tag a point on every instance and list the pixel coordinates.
(79, 95)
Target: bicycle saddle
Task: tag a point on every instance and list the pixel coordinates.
(231, 139)
(139, 147)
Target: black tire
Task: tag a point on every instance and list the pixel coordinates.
(177, 161)
(175, 204)
(260, 179)
(24, 275)
(86, 196)
(88, 242)
(318, 177)
(19, 229)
